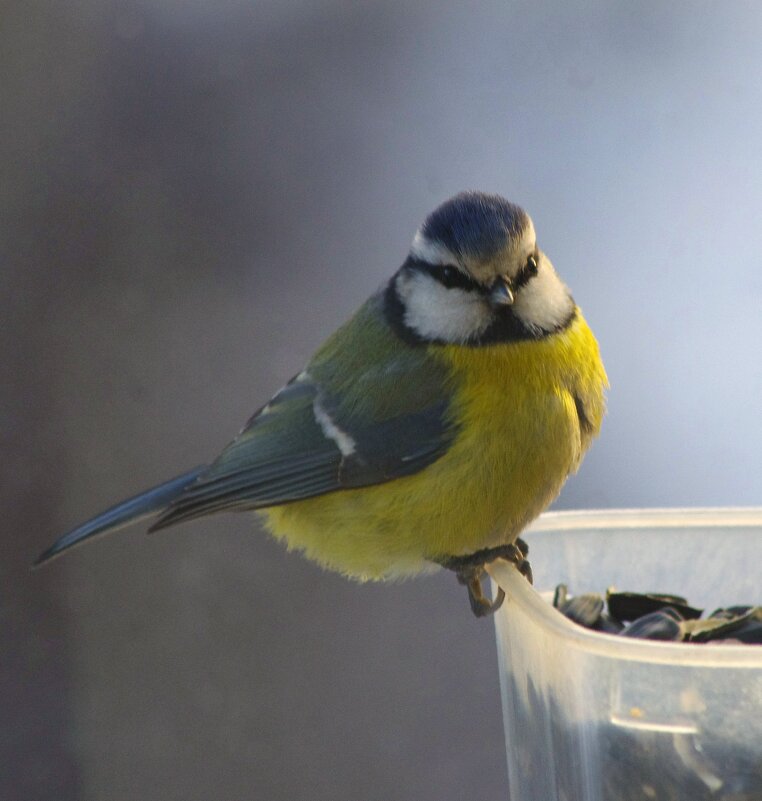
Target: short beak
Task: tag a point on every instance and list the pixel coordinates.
(501, 293)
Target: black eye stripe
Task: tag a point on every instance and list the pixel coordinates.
(449, 276)
(453, 278)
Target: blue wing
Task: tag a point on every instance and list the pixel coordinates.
(302, 445)
(368, 409)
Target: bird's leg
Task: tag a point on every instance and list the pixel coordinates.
(515, 552)
(469, 570)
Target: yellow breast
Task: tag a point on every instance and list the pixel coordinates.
(526, 412)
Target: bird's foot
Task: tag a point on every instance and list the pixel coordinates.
(469, 570)
(481, 606)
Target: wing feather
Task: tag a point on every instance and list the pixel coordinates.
(386, 398)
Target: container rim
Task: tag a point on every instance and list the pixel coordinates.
(522, 598)
(677, 517)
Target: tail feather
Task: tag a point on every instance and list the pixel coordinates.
(130, 511)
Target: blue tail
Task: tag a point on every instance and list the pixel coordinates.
(130, 511)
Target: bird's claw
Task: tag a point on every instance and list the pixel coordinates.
(470, 569)
(481, 606)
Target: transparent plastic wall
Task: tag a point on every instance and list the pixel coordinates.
(597, 717)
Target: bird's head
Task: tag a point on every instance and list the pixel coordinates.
(474, 275)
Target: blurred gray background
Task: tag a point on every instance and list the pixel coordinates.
(193, 195)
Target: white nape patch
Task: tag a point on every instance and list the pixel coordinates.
(343, 441)
(424, 249)
(545, 302)
(435, 312)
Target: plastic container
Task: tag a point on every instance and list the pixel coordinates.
(597, 717)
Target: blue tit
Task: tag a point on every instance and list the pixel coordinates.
(429, 429)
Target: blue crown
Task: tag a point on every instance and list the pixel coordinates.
(475, 224)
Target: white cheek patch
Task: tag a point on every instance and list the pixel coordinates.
(435, 312)
(545, 302)
(424, 249)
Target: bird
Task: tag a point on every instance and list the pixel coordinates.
(428, 430)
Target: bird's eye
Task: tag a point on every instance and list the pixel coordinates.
(453, 278)
(527, 272)
(447, 276)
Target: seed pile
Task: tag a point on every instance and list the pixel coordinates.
(654, 616)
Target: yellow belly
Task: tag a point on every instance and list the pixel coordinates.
(520, 437)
